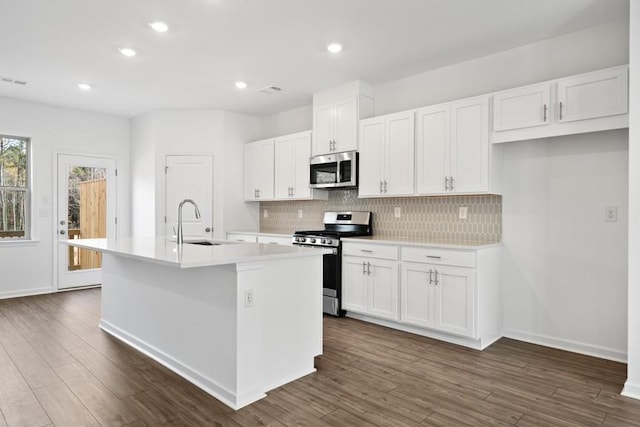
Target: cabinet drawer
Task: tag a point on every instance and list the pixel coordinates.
(370, 251)
(275, 240)
(439, 256)
(236, 237)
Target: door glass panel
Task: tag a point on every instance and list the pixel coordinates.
(86, 213)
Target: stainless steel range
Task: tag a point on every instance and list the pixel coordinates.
(336, 226)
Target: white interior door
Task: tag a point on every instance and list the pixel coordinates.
(86, 208)
(189, 177)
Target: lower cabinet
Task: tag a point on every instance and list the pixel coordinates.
(439, 297)
(257, 237)
(370, 286)
(448, 294)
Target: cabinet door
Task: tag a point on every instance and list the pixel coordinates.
(593, 95)
(470, 145)
(346, 125)
(432, 145)
(455, 300)
(371, 161)
(383, 288)
(302, 144)
(285, 164)
(265, 165)
(399, 154)
(522, 107)
(354, 284)
(251, 171)
(323, 128)
(418, 296)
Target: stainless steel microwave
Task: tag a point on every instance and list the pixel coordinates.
(337, 170)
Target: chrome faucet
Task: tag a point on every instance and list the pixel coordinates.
(180, 236)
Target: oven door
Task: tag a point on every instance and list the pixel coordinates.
(331, 281)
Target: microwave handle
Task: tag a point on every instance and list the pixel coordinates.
(338, 177)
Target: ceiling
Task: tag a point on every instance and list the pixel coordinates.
(55, 44)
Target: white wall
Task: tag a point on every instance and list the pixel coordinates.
(564, 270)
(632, 386)
(191, 132)
(287, 122)
(28, 267)
(540, 230)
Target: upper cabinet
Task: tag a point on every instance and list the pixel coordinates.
(387, 155)
(292, 154)
(584, 103)
(453, 154)
(336, 113)
(258, 170)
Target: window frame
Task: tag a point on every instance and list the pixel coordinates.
(27, 191)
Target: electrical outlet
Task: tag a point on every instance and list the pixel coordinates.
(265, 213)
(462, 212)
(299, 213)
(611, 214)
(249, 299)
(397, 212)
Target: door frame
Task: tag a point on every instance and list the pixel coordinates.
(54, 224)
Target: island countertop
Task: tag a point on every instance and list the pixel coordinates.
(164, 250)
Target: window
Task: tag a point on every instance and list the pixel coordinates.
(14, 188)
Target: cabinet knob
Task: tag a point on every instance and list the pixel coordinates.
(207, 230)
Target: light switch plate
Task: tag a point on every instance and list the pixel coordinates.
(265, 213)
(611, 214)
(397, 212)
(300, 213)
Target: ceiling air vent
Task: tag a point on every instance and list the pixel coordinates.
(270, 90)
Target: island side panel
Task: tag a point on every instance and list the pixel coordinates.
(292, 329)
(184, 318)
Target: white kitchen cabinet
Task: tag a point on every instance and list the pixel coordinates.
(242, 237)
(336, 113)
(443, 292)
(453, 153)
(587, 102)
(439, 297)
(259, 170)
(593, 95)
(387, 155)
(292, 154)
(370, 280)
(370, 286)
(522, 107)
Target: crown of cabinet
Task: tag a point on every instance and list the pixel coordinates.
(336, 116)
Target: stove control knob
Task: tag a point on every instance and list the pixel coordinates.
(329, 242)
(312, 240)
(323, 241)
(300, 239)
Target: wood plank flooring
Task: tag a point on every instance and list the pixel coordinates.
(57, 368)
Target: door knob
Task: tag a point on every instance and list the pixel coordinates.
(62, 222)
(208, 229)
(63, 232)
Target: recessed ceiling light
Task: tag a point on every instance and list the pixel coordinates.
(127, 51)
(84, 86)
(241, 85)
(158, 26)
(334, 47)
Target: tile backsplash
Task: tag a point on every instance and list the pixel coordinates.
(422, 218)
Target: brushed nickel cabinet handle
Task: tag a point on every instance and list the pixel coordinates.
(366, 251)
(446, 183)
(364, 268)
(368, 269)
(434, 257)
(560, 110)
(544, 113)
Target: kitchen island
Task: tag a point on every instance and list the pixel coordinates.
(235, 319)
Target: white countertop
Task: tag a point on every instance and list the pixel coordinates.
(164, 250)
(258, 233)
(431, 243)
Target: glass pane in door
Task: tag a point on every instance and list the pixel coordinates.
(86, 213)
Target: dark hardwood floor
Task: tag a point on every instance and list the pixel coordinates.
(57, 368)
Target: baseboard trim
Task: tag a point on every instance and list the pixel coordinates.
(567, 345)
(219, 392)
(631, 390)
(26, 292)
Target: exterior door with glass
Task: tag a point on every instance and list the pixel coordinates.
(86, 209)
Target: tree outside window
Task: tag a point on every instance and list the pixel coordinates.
(14, 187)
